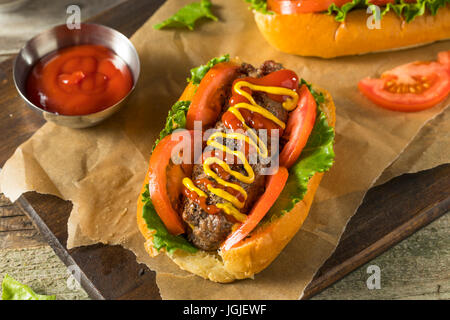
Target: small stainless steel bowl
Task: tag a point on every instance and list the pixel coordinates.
(60, 37)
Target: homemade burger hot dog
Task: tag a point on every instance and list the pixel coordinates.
(331, 28)
(222, 217)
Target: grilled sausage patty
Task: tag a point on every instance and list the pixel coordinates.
(208, 231)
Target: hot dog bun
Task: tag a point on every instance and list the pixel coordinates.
(320, 35)
(257, 251)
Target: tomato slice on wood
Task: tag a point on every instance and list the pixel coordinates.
(206, 105)
(411, 87)
(275, 185)
(165, 177)
(300, 124)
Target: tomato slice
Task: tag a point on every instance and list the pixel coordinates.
(163, 172)
(302, 6)
(206, 104)
(310, 6)
(300, 124)
(444, 59)
(275, 185)
(411, 87)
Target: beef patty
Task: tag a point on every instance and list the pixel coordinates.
(208, 231)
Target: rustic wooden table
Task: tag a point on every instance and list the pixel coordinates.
(415, 268)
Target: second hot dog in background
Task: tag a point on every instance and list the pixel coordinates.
(330, 28)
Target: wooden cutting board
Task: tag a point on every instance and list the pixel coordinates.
(388, 214)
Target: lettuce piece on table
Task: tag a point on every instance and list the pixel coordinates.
(14, 290)
(188, 15)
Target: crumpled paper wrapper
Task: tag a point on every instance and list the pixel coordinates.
(426, 151)
(101, 169)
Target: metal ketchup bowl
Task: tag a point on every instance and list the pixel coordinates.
(60, 37)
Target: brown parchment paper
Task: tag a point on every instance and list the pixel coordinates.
(430, 148)
(101, 169)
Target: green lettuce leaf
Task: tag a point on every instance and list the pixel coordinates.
(341, 13)
(259, 5)
(188, 15)
(175, 119)
(407, 11)
(162, 238)
(318, 96)
(412, 10)
(14, 290)
(198, 73)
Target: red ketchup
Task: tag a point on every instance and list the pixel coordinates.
(79, 80)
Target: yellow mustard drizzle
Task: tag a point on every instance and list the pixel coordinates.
(232, 211)
(288, 105)
(188, 183)
(233, 203)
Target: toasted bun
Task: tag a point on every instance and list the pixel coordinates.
(320, 35)
(257, 251)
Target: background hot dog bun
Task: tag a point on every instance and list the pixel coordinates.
(257, 251)
(318, 34)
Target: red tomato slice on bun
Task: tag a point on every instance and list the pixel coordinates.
(300, 124)
(206, 104)
(302, 6)
(311, 6)
(165, 177)
(274, 186)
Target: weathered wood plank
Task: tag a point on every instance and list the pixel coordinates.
(15, 223)
(388, 214)
(10, 211)
(416, 268)
(21, 239)
(42, 270)
(16, 230)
